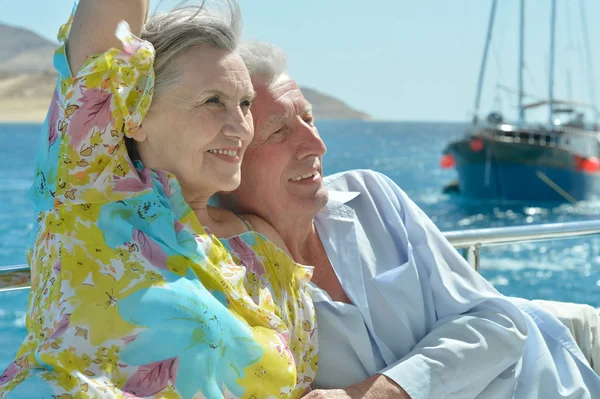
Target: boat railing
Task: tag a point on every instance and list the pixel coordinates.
(469, 241)
(557, 131)
(582, 141)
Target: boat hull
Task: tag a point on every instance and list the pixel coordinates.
(521, 172)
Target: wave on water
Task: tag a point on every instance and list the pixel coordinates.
(12, 318)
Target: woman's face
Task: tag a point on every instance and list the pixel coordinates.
(199, 127)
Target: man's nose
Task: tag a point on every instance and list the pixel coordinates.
(309, 143)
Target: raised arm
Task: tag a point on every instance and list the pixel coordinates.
(95, 23)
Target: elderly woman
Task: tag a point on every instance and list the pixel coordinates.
(133, 294)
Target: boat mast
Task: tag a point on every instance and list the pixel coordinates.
(484, 60)
(521, 63)
(590, 65)
(551, 77)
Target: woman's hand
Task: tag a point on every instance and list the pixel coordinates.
(95, 23)
(374, 387)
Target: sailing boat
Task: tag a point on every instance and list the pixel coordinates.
(555, 161)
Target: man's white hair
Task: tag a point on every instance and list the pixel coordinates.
(264, 61)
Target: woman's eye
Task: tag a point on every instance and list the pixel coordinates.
(213, 100)
(246, 104)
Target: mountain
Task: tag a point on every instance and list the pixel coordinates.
(327, 107)
(24, 51)
(27, 80)
(25, 97)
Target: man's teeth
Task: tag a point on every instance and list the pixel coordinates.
(231, 153)
(302, 177)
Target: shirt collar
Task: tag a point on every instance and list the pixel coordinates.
(341, 197)
(336, 205)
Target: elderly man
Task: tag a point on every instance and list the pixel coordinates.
(400, 313)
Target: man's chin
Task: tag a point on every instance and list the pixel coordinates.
(320, 199)
(323, 194)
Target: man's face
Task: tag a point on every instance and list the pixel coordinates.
(281, 170)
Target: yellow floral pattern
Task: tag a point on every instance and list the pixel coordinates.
(131, 296)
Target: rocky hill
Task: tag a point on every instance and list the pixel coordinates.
(24, 51)
(327, 107)
(27, 80)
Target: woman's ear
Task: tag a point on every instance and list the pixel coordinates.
(141, 134)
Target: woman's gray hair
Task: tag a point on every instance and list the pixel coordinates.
(175, 31)
(263, 60)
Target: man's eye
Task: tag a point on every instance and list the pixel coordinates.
(246, 104)
(213, 100)
(278, 131)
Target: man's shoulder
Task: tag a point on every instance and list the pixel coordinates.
(365, 191)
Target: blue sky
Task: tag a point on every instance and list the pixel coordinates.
(399, 59)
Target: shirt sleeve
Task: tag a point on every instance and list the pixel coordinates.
(93, 109)
(478, 334)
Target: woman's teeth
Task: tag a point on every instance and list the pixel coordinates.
(231, 153)
(302, 177)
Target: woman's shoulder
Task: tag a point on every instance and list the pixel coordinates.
(271, 248)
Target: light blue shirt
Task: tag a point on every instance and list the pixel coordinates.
(440, 329)
(342, 330)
